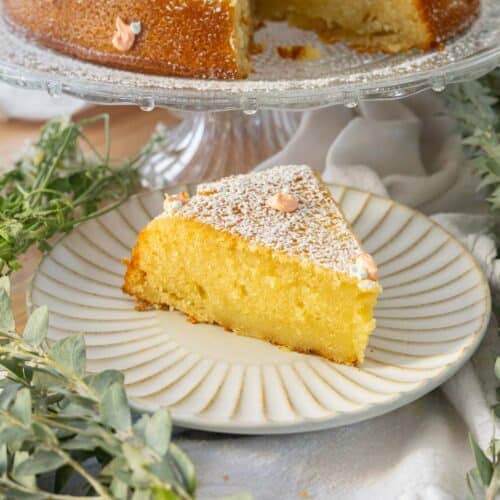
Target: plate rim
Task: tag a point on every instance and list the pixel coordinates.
(398, 400)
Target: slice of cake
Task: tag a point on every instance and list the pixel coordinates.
(267, 255)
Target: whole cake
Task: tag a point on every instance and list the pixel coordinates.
(212, 38)
(266, 255)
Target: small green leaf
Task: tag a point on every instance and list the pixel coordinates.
(119, 489)
(5, 284)
(118, 463)
(137, 461)
(140, 427)
(158, 431)
(8, 394)
(185, 467)
(141, 495)
(23, 495)
(28, 480)
(12, 434)
(21, 408)
(6, 314)
(483, 464)
(101, 381)
(70, 352)
(14, 366)
(63, 475)
(79, 443)
(164, 494)
(496, 409)
(115, 410)
(4, 462)
(44, 433)
(163, 470)
(40, 462)
(78, 405)
(476, 478)
(497, 368)
(37, 326)
(44, 379)
(471, 486)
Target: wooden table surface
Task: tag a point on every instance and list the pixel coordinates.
(130, 129)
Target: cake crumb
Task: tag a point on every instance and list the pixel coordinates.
(299, 52)
(143, 306)
(259, 24)
(225, 477)
(256, 48)
(304, 494)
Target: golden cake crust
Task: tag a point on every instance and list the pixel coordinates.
(446, 19)
(184, 38)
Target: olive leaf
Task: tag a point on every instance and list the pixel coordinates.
(158, 431)
(483, 464)
(163, 494)
(6, 313)
(8, 394)
(53, 418)
(12, 434)
(70, 353)
(5, 284)
(475, 106)
(21, 409)
(37, 326)
(114, 407)
(39, 462)
(62, 476)
(100, 382)
(3, 459)
(185, 467)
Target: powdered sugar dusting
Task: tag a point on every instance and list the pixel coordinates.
(316, 230)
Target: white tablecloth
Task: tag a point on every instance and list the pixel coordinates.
(406, 150)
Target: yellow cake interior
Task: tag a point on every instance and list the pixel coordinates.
(390, 25)
(200, 261)
(216, 277)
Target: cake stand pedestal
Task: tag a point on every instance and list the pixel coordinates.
(214, 144)
(254, 118)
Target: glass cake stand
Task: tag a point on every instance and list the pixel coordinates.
(215, 138)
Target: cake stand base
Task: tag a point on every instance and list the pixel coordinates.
(205, 146)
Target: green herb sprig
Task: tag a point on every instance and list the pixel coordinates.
(475, 105)
(483, 481)
(54, 418)
(60, 181)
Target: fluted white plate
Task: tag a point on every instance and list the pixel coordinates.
(430, 319)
